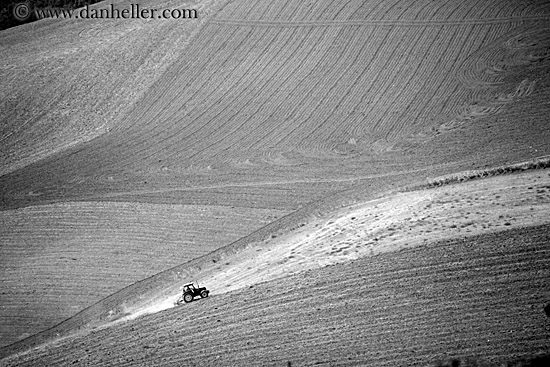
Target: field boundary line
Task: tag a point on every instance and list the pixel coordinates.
(241, 185)
(375, 22)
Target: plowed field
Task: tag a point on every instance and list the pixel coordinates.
(480, 298)
(266, 117)
(61, 258)
(389, 224)
(347, 94)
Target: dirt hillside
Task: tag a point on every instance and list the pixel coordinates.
(133, 151)
(479, 299)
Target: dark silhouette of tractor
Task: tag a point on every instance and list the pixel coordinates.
(190, 292)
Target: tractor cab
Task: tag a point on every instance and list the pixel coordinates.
(190, 292)
(189, 288)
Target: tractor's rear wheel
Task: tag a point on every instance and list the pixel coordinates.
(204, 294)
(187, 297)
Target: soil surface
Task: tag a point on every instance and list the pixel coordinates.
(479, 298)
(264, 144)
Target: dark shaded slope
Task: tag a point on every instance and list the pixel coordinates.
(482, 298)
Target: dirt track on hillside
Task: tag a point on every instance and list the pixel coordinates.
(393, 223)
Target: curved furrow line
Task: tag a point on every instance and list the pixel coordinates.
(520, 8)
(485, 78)
(457, 45)
(245, 140)
(381, 9)
(397, 102)
(251, 77)
(531, 7)
(292, 96)
(505, 94)
(430, 12)
(389, 10)
(336, 58)
(171, 135)
(354, 91)
(381, 106)
(301, 66)
(253, 10)
(303, 140)
(301, 9)
(379, 23)
(275, 59)
(363, 11)
(285, 108)
(386, 8)
(162, 114)
(414, 11)
(343, 63)
(342, 13)
(513, 8)
(162, 94)
(380, 88)
(468, 72)
(162, 84)
(423, 99)
(172, 141)
(316, 10)
(267, 82)
(524, 40)
(297, 132)
(288, 76)
(278, 7)
(477, 11)
(227, 106)
(529, 47)
(491, 65)
(401, 122)
(441, 88)
(274, 7)
(289, 10)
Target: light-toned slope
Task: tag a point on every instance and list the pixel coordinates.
(392, 223)
(58, 259)
(479, 298)
(388, 224)
(251, 100)
(65, 81)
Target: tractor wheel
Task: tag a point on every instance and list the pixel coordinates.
(204, 294)
(188, 297)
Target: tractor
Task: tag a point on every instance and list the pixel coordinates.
(190, 292)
